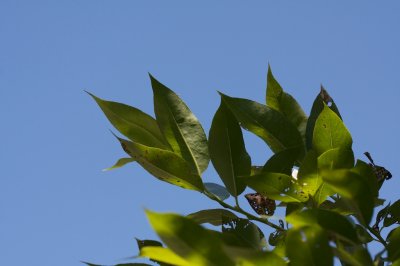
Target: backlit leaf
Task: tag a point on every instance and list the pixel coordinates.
(189, 240)
(330, 132)
(121, 162)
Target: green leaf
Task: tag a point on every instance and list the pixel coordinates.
(227, 150)
(328, 220)
(189, 240)
(393, 214)
(180, 127)
(308, 246)
(355, 188)
(320, 101)
(148, 243)
(133, 123)
(308, 176)
(367, 173)
(243, 233)
(249, 257)
(121, 162)
(165, 165)
(276, 186)
(330, 132)
(285, 103)
(281, 162)
(164, 255)
(393, 246)
(267, 123)
(359, 256)
(336, 158)
(217, 190)
(123, 264)
(212, 216)
(363, 234)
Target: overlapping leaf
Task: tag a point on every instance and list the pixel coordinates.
(163, 164)
(283, 102)
(180, 127)
(267, 123)
(189, 240)
(212, 216)
(227, 150)
(133, 123)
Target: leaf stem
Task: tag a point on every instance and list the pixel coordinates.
(378, 236)
(240, 210)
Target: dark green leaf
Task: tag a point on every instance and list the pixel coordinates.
(320, 101)
(276, 186)
(393, 247)
(308, 246)
(330, 132)
(381, 215)
(217, 190)
(165, 165)
(188, 239)
(355, 188)
(285, 103)
(242, 232)
(180, 127)
(267, 123)
(147, 243)
(354, 256)
(133, 123)
(123, 264)
(281, 162)
(227, 150)
(121, 162)
(367, 173)
(255, 170)
(212, 216)
(328, 220)
(363, 234)
(393, 214)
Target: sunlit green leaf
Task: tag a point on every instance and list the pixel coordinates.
(353, 187)
(308, 246)
(250, 257)
(267, 123)
(320, 101)
(164, 255)
(328, 220)
(121, 162)
(285, 103)
(276, 186)
(217, 190)
(165, 165)
(133, 123)
(393, 246)
(227, 150)
(212, 216)
(189, 240)
(180, 127)
(330, 132)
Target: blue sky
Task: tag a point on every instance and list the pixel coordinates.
(56, 205)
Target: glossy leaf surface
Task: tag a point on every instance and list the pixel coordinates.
(165, 165)
(180, 127)
(133, 123)
(267, 123)
(227, 150)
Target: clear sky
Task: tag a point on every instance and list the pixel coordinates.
(56, 205)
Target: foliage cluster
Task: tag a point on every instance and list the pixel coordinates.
(328, 206)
